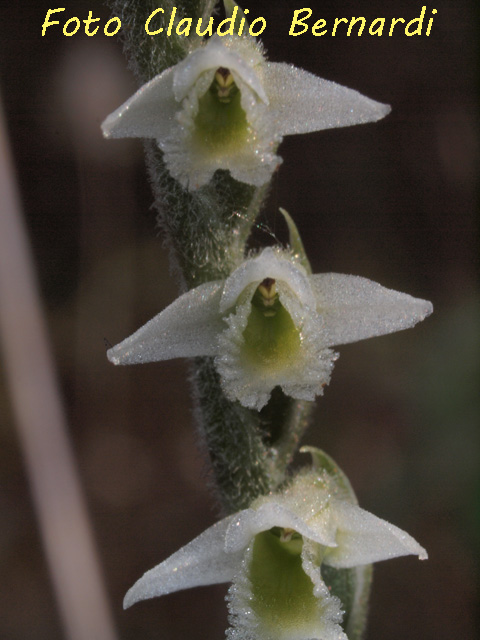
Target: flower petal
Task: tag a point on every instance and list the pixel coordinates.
(149, 113)
(355, 308)
(363, 538)
(212, 56)
(202, 561)
(246, 524)
(187, 328)
(306, 377)
(301, 102)
(268, 264)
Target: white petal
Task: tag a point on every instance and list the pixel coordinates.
(252, 162)
(306, 378)
(149, 113)
(202, 561)
(246, 524)
(355, 308)
(210, 57)
(269, 264)
(187, 328)
(301, 102)
(362, 538)
(240, 382)
(254, 165)
(332, 613)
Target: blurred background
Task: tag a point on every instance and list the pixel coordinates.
(393, 201)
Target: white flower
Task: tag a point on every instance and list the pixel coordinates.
(272, 554)
(225, 107)
(271, 324)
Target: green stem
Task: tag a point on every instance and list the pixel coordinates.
(241, 460)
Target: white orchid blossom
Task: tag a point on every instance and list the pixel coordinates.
(271, 324)
(226, 107)
(272, 553)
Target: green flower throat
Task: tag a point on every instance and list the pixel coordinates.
(221, 121)
(282, 593)
(271, 338)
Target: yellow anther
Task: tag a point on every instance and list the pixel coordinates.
(223, 77)
(224, 84)
(268, 291)
(286, 534)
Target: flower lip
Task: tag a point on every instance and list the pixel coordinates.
(210, 58)
(269, 265)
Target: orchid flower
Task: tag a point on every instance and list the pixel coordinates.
(273, 551)
(226, 107)
(271, 323)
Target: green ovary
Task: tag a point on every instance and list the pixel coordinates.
(282, 593)
(221, 123)
(271, 339)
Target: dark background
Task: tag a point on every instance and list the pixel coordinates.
(392, 201)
